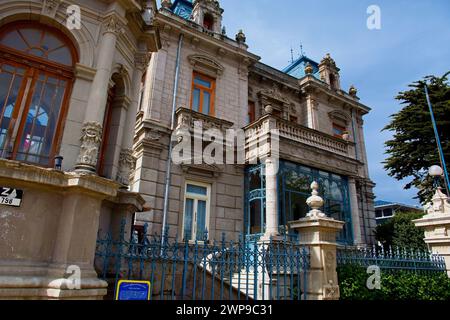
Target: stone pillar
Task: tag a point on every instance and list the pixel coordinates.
(357, 238)
(95, 110)
(312, 106)
(318, 233)
(272, 223)
(436, 224)
(127, 161)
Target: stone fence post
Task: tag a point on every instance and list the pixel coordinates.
(318, 232)
(436, 224)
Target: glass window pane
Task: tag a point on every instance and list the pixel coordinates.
(41, 121)
(14, 40)
(202, 82)
(38, 42)
(188, 214)
(206, 103)
(32, 36)
(50, 42)
(61, 55)
(10, 84)
(256, 224)
(197, 190)
(201, 220)
(196, 100)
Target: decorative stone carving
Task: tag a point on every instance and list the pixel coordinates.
(112, 24)
(152, 135)
(309, 69)
(331, 291)
(206, 62)
(127, 164)
(328, 61)
(91, 139)
(240, 37)
(141, 60)
(273, 94)
(315, 202)
(268, 109)
(50, 7)
(352, 91)
(439, 203)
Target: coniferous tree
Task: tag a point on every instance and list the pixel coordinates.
(413, 148)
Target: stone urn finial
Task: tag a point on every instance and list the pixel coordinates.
(352, 91)
(268, 109)
(309, 69)
(315, 202)
(240, 37)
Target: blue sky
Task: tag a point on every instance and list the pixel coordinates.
(414, 41)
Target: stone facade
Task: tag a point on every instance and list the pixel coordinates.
(304, 110)
(133, 67)
(62, 211)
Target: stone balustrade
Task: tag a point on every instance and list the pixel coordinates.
(187, 119)
(301, 134)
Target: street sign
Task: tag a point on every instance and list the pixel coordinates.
(133, 290)
(10, 197)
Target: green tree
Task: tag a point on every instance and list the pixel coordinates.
(401, 232)
(413, 148)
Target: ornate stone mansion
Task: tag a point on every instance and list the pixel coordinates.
(89, 102)
(223, 85)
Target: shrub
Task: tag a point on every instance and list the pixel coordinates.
(398, 285)
(401, 232)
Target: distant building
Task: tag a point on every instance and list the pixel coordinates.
(385, 210)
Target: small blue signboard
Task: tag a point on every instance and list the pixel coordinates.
(133, 290)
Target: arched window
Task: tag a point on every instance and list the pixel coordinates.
(36, 74)
(208, 21)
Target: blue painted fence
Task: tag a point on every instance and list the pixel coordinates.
(203, 270)
(392, 259)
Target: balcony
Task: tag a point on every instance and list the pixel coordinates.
(189, 119)
(297, 133)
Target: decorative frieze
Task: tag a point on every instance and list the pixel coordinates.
(91, 139)
(127, 163)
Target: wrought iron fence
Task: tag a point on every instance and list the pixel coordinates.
(392, 259)
(203, 270)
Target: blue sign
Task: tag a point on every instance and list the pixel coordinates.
(133, 290)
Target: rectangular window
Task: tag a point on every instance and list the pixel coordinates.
(203, 91)
(338, 131)
(196, 211)
(251, 116)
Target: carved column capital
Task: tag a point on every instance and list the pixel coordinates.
(113, 24)
(127, 163)
(91, 138)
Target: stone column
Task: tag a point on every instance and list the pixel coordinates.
(318, 233)
(95, 111)
(272, 223)
(357, 238)
(436, 225)
(312, 106)
(127, 161)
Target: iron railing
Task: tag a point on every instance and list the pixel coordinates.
(203, 270)
(392, 259)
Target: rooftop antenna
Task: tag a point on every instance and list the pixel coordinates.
(302, 53)
(292, 55)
